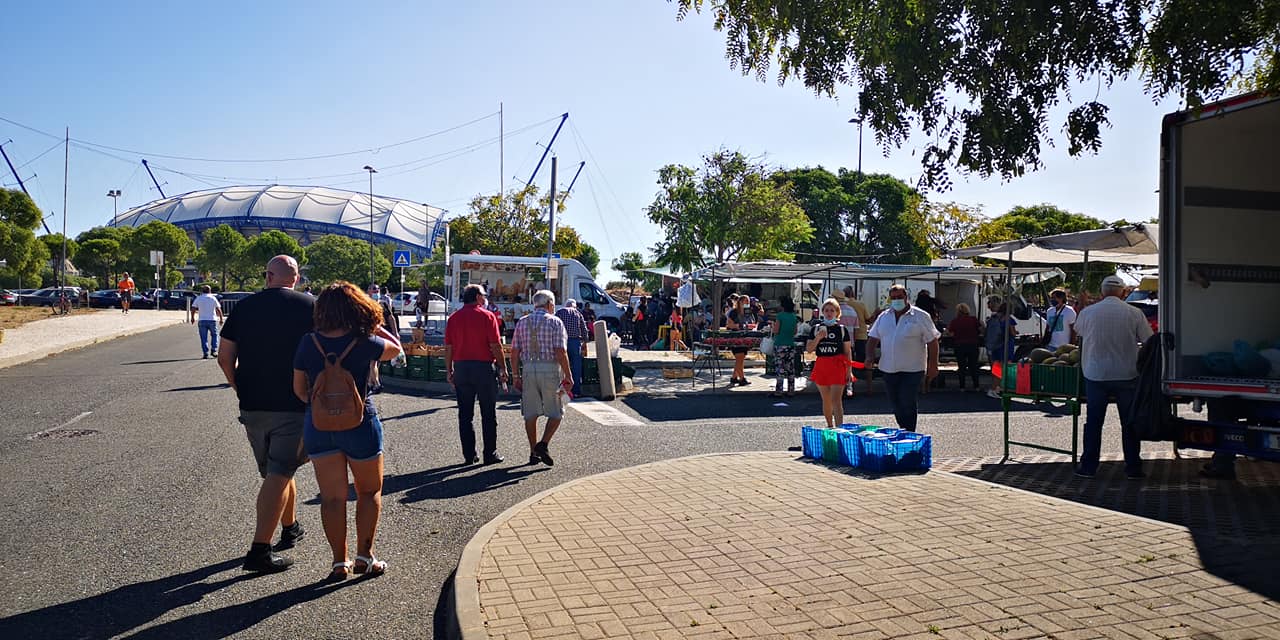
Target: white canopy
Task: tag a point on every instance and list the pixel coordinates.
(775, 271)
(1132, 244)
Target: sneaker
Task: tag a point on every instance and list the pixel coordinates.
(992, 393)
(205, 356)
(214, 353)
(260, 559)
(534, 459)
(289, 536)
(543, 454)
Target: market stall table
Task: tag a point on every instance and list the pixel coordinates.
(1040, 382)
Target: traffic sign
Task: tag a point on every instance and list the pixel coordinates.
(554, 255)
(401, 258)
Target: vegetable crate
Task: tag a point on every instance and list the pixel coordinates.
(436, 371)
(850, 441)
(904, 451)
(417, 372)
(1042, 379)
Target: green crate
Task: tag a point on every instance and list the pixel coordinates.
(437, 372)
(1055, 380)
(384, 368)
(590, 371)
(418, 373)
(418, 361)
(399, 372)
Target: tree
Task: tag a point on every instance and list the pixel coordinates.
(335, 257)
(19, 216)
(267, 245)
(100, 255)
(223, 246)
(980, 84)
(589, 257)
(948, 224)
(158, 235)
(1029, 222)
(725, 210)
(54, 242)
(830, 210)
(886, 218)
(514, 225)
(631, 265)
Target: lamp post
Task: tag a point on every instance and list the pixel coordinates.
(114, 194)
(858, 121)
(372, 246)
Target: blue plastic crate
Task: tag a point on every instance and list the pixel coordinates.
(811, 442)
(903, 451)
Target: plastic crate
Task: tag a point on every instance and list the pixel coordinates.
(1055, 380)
(904, 451)
(590, 371)
(811, 442)
(850, 447)
(419, 361)
(416, 372)
(831, 446)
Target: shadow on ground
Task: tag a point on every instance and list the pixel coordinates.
(1235, 524)
(754, 404)
(125, 609)
(447, 482)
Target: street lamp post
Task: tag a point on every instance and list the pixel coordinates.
(372, 246)
(858, 121)
(114, 194)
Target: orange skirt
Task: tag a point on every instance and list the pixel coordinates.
(830, 370)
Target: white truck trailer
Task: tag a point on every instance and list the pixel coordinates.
(1220, 273)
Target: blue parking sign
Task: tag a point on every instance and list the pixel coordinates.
(401, 258)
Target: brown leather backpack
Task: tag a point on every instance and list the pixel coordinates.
(336, 404)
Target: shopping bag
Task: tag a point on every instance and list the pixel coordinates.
(766, 345)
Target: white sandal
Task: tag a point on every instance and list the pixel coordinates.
(370, 565)
(340, 570)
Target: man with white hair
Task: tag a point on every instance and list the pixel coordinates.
(539, 345)
(575, 326)
(1110, 333)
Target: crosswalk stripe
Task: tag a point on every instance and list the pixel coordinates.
(604, 414)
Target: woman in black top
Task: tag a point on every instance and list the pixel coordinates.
(739, 319)
(832, 344)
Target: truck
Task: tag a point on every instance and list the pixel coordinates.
(512, 280)
(1220, 274)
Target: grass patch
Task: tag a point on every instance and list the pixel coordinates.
(13, 317)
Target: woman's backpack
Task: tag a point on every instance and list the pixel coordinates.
(336, 404)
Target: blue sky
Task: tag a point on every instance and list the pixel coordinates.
(269, 80)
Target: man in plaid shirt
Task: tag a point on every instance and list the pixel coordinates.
(575, 325)
(538, 344)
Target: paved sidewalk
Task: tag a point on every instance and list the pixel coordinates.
(768, 545)
(81, 328)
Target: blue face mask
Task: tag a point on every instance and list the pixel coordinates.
(898, 305)
(829, 322)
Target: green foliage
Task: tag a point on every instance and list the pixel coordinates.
(335, 257)
(269, 244)
(212, 284)
(223, 246)
(589, 257)
(857, 217)
(54, 242)
(1029, 222)
(158, 235)
(100, 256)
(514, 225)
(19, 216)
(631, 265)
(949, 224)
(830, 209)
(979, 79)
(726, 210)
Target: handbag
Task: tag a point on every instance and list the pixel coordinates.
(766, 345)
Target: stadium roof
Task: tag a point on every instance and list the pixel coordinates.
(302, 209)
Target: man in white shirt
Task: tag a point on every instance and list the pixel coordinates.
(908, 342)
(210, 311)
(1061, 320)
(1110, 333)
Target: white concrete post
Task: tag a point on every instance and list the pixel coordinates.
(604, 362)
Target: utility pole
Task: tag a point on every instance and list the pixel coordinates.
(502, 181)
(551, 237)
(153, 178)
(372, 246)
(114, 194)
(563, 118)
(66, 165)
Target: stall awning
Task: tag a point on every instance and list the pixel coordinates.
(1132, 244)
(786, 271)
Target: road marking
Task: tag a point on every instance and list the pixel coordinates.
(604, 414)
(36, 436)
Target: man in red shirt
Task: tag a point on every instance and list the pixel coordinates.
(472, 348)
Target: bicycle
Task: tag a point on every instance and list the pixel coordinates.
(63, 306)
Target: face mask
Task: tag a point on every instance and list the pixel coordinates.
(829, 322)
(376, 296)
(898, 305)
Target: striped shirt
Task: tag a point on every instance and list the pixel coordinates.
(538, 336)
(574, 324)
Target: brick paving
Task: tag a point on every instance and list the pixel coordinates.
(765, 545)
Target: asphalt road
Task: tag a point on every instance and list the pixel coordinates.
(130, 512)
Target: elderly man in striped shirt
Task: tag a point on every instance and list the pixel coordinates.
(575, 325)
(539, 345)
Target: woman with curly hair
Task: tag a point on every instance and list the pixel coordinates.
(347, 322)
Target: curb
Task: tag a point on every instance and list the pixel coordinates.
(468, 623)
(80, 344)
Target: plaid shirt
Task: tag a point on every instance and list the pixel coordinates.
(550, 334)
(574, 323)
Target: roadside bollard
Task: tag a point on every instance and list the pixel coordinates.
(604, 361)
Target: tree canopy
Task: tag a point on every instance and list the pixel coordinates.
(630, 264)
(516, 225)
(857, 217)
(222, 248)
(23, 254)
(980, 80)
(334, 257)
(1031, 221)
(727, 209)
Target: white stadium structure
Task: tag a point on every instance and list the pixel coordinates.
(306, 213)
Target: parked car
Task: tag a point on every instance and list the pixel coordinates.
(168, 298)
(47, 296)
(402, 303)
(110, 299)
(8, 298)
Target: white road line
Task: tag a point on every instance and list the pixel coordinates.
(61, 426)
(604, 414)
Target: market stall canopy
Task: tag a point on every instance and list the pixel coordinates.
(1130, 244)
(816, 272)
